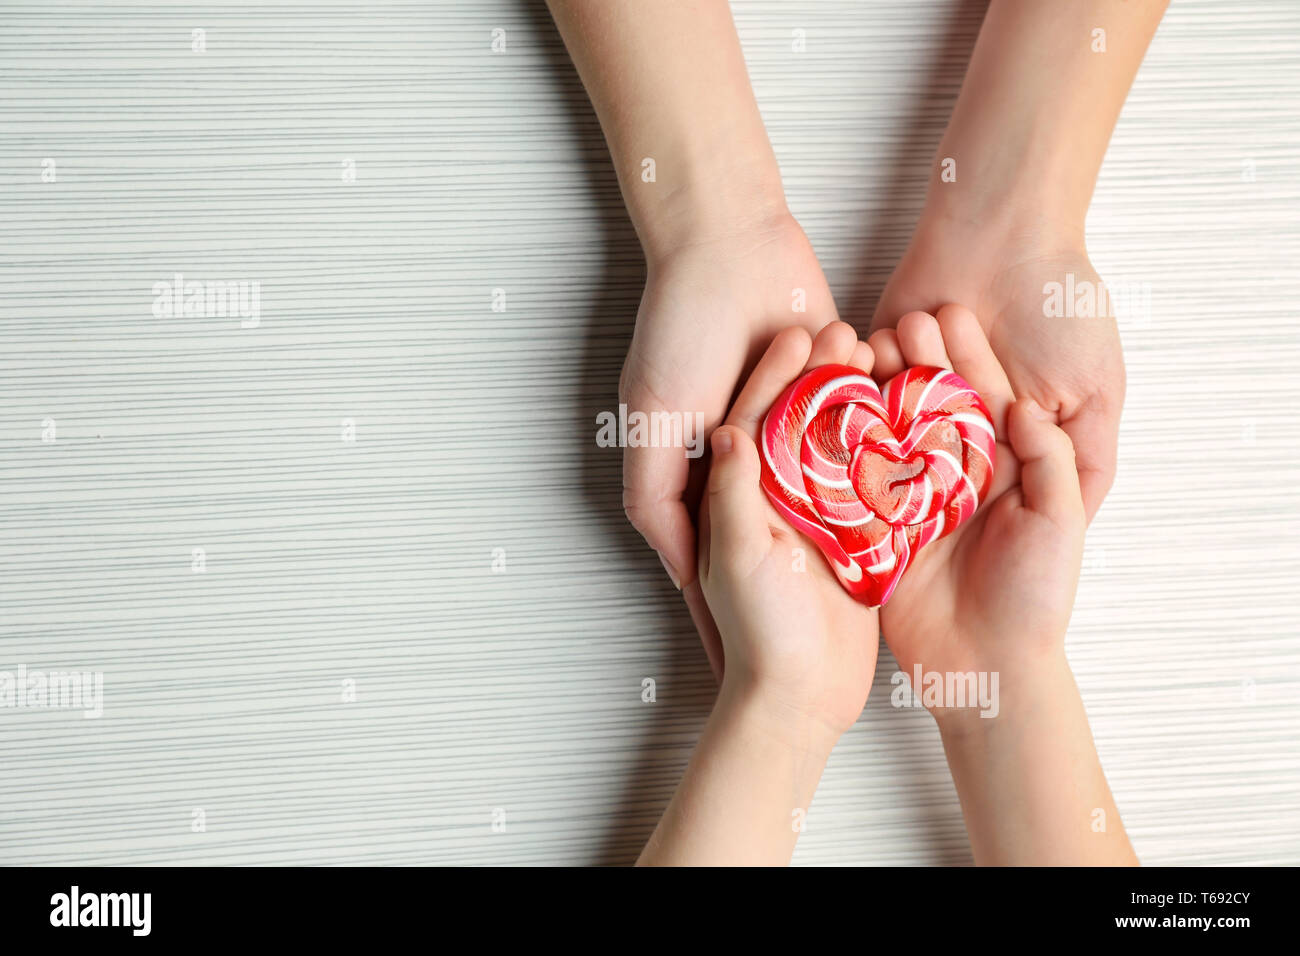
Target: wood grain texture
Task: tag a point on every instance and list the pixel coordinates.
(371, 561)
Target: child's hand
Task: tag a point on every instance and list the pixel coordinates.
(995, 597)
(791, 635)
(799, 653)
(996, 594)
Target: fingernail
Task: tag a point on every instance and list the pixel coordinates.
(721, 442)
(672, 575)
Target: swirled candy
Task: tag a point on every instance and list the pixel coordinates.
(873, 476)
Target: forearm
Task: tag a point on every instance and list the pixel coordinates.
(745, 791)
(1037, 109)
(1031, 786)
(669, 85)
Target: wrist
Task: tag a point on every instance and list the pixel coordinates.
(1029, 780)
(699, 199)
(1028, 693)
(1037, 106)
(763, 715)
(992, 214)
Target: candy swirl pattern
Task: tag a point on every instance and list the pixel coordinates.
(873, 476)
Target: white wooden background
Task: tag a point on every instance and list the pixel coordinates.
(372, 561)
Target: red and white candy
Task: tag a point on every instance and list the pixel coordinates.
(874, 476)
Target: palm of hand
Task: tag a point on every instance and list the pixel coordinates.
(805, 635)
(989, 577)
(969, 599)
(710, 310)
(786, 621)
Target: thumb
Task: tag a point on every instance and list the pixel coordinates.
(1049, 482)
(738, 528)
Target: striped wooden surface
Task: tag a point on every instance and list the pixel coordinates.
(515, 697)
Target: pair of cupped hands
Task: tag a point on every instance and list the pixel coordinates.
(716, 333)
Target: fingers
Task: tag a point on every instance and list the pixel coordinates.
(954, 339)
(664, 522)
(838, 344)
(973, 359)
(862, 358)
(739, 534)
(1094, 429)
(833, 346)
(779, 366)
(1049, 483)
(889, 357)
(921, 340)
(654, 483)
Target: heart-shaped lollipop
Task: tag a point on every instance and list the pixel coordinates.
(874, 476)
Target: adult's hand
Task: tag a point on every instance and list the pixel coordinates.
(1008, 195)
(725, 259)
(1071, 365)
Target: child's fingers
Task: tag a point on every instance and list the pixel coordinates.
(1049, 483)
(739, 533)
(833, 345)
(779, 366)
(973, 359)
(921, 340)
(862, 358)
(889, 357)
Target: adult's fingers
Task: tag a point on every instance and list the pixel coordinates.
(704, 623)
(654, 481)
(1094, 429)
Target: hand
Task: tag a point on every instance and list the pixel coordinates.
(791, 634)
(995, 595)
(1025, 140)
(799, 652)
(1072, 367)
(710, 308)
(723, 253)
